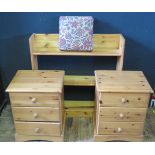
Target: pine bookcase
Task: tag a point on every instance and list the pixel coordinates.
(109, 45)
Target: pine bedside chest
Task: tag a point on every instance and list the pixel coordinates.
(37, 105)
(121, 104)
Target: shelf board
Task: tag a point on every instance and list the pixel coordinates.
(76, 80)
(57, 52)
(103, 45)
(79, 112)
(78, 104)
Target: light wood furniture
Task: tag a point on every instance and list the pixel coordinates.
(121, 103)
(104, 45)
(37, 105)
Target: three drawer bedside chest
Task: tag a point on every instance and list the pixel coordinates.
(122, 99)
(37, 105)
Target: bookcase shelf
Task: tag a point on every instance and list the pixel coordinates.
(103, 45)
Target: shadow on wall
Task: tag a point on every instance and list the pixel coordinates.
(76, 65)
(137, 56)
(14, 56)
(104, 27)
(140, 57)
(17, 56)
(82, 65)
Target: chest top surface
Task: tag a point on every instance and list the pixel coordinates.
(37, 81)
(121, 81)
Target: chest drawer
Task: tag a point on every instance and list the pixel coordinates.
(38, 128)
(118, 114)
(36, 114)
(132, 128)
(137, 100)
(35, 99)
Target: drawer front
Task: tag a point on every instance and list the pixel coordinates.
(123, 100)
(36, 114)
(118, 114)
(132, 128)
(38, 128)
(35, 99)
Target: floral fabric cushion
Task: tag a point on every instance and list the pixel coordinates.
(76, 33)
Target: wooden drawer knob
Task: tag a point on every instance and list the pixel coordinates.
(119, 130)
(34, 100)
(100, 101)
(37, 130)
(35, 115)
(123, 100)
(121, 115)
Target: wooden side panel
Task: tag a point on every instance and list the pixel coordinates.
(34, 59)
(38, 128)
(35, 99)
(121, 128)
(120, 59)
(135, 100)
(35, 114)
(118, 114)
(61, 109)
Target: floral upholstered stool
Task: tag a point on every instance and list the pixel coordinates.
(76, 33)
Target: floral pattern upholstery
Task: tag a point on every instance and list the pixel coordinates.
(76, 33)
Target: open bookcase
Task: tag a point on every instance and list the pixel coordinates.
(104, 45)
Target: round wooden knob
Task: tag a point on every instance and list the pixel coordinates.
(100, 101)
(123, 100)
(121, 115)
(36, 130)
(35, 115)
(119, 130)
(34, 100)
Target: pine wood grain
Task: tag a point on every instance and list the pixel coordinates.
(42, 99)
(119, 114)
(44, 128)
(37, 81)
(46, 114)
(103, 45)
(78, 104)
(132, 100)
(72, 80)
(47, 44)
(128, 138)
(22, 138)
(111, 128)
(122, 81)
